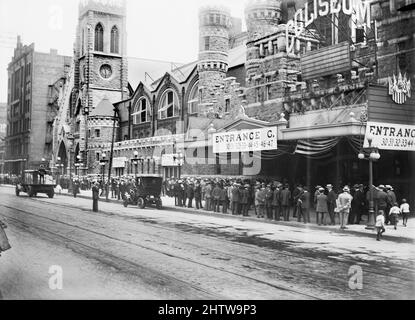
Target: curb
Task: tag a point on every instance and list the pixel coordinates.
(370, 234)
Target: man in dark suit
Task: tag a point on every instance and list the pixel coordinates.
(95, 197)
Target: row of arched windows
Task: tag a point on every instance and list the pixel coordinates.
(169, 106)
(99, 39)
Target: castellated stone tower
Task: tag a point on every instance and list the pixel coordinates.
(100, 74)
(214, 27)
(262, 19)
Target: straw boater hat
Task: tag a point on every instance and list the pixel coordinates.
(329, 186)
(346, 189)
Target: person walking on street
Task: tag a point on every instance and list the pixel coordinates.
(405, 212)
(394, 215)
(95, 197)
(345, 202)
(321, 207)
(380, 225)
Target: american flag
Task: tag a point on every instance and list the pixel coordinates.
(399, 88)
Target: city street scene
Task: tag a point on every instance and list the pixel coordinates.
(207, 150)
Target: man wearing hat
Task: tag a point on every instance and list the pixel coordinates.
(285, 198)
(296, 195)
(382, 201)
(95, 196)
(331, 203)
(244, 199)
(391, 197)
(321, 206)
(345, 203)
(235, 199)
(268, 201)
(276, 202)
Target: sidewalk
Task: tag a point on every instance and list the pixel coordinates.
(403, 234)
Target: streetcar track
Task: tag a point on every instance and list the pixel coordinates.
(112, 258)
(279, 287)
(252, 261)
(244, 245)
(328, 278)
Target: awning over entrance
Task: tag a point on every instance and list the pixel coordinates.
(323, 131)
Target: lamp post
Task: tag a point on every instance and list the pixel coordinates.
(141, 159)
(134, 161)
(374, 155)
(179, 159)
(58, 166)
(102, 163)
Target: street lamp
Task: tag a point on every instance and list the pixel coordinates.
(134, 161)
(102, 163)
(179, 160)
(374, 155)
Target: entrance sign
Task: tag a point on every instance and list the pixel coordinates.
(399, 88)
(391, 136)
(245, 140)
(358, 9)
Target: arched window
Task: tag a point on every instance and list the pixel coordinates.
(169, 106)
(99, 38)
(115, 38)
(193, 101)
(141, 111)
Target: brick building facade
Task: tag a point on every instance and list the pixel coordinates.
(30, 112)
(253, 79)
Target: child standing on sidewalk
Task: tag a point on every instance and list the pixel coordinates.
(405, 211)
(394, 215)
(380, 224)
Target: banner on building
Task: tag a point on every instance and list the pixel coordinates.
(245, 140)
(119, 162)
(390, 136)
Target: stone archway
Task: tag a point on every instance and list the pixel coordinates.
(63, 154)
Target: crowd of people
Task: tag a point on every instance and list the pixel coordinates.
(267, 199)
(275, 200)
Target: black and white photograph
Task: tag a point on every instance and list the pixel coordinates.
(207, 150)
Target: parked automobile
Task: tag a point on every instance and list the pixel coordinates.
(147, 192)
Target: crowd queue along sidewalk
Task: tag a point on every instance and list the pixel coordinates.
(261, 199)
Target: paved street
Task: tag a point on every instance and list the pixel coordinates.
(128, 253)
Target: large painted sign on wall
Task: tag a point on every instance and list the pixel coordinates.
(359, 10)
(390, 136)
(245, 140)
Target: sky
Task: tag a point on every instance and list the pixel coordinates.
(156, 29)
